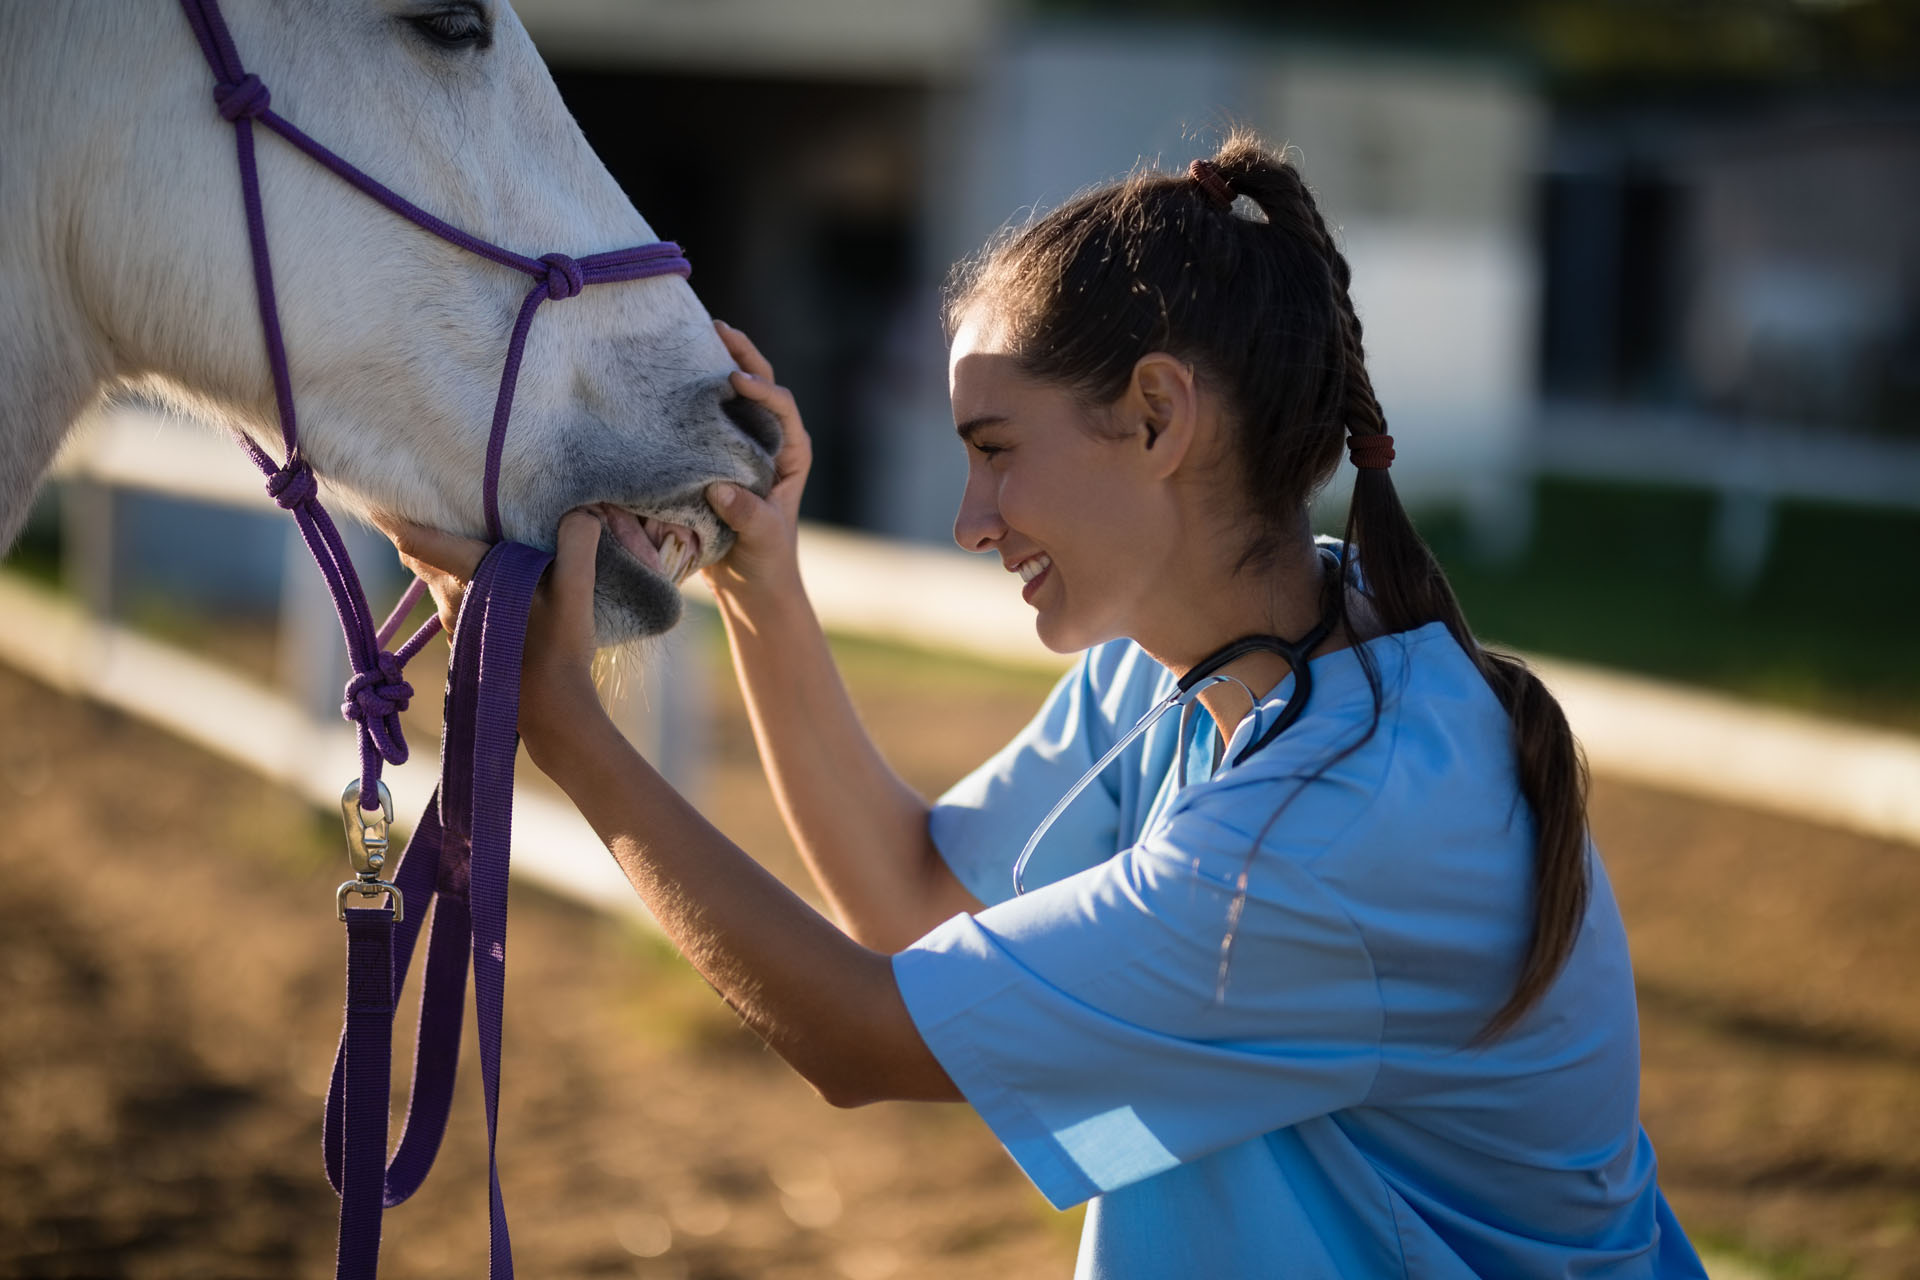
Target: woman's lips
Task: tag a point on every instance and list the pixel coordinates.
(1036, 571)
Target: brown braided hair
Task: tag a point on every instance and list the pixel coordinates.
(1261, 308)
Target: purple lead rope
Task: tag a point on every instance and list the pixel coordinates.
(458, 857)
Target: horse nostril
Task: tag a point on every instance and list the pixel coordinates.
(756, 422)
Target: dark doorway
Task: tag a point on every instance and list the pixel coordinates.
(799, 205)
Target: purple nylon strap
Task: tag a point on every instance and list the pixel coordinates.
(369, 1030)
(458, 858)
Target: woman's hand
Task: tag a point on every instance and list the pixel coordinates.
(764, 554)
(556, 681)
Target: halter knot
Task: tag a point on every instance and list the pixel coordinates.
(243, 97)
(565, 279)
(293, 485)
(377, 694)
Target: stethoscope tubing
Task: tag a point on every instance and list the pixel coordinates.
(1184, 696)
(1186, 693)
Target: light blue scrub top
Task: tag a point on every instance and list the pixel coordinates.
(1323, 1116)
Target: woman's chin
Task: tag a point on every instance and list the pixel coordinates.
(1061, 635)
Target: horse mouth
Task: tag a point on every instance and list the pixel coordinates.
(670, 550)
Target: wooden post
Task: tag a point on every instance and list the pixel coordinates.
(659, 700)
(312, 662)
(89, 561)
(312, 658)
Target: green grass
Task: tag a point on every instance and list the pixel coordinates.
(1728, 1258)
(35, 555)
(1622, 577)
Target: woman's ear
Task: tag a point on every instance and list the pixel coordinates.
(1164, 399)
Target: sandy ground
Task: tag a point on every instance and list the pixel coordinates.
(169, 965)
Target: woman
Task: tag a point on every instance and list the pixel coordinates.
(1351, 999)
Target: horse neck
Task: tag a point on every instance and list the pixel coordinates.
(103, 212)
(47, 378)
(53, 361)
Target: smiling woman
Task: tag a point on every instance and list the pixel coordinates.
(1326, 980)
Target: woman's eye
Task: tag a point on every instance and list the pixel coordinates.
(988, 450)
(464, 27)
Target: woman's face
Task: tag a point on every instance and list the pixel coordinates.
(1059, 492)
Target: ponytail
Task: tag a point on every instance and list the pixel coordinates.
(1407, 588)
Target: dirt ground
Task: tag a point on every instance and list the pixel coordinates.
(169, 966)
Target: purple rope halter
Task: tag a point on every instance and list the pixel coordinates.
(376, 695)
(458, 858)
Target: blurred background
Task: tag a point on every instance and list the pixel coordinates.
(1641, 287)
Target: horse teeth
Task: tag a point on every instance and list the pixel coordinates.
(672, 553)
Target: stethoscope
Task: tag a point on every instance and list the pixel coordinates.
(1186, 695)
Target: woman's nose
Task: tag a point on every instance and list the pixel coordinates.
(978, 525)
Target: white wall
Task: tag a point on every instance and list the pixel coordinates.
(887, 39)
(1423, 166)
(1052, 111)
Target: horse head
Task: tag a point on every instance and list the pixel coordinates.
(395, 338)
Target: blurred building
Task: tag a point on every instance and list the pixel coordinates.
(1618, 242)
(1760, 263)
(1733, 300)
(827, 163)
(789, 148)
(1421, 162)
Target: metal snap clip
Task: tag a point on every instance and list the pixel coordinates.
(367, 849)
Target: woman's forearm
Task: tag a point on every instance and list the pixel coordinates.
(823, 1001)
(860, 828)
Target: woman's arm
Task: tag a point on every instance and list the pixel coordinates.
(861, 830)
(824, 1002)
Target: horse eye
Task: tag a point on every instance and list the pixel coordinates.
(463, 27)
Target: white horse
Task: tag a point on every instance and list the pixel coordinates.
(123, 265)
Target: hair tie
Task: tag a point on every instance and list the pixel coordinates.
(1371, 452)
(1206, 175)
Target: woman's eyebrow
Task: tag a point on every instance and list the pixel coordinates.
(971, 425)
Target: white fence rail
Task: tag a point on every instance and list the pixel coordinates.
(1662, 735)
